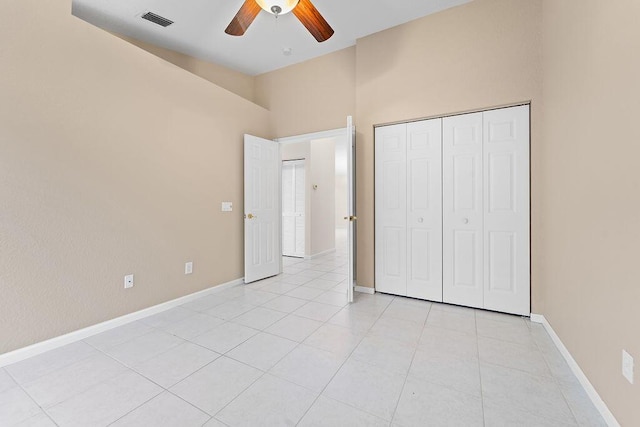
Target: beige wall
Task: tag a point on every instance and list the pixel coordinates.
(234, 81)
(323, 174)
(313, 96)
(589, 174)
(483, 54)
(111, 162)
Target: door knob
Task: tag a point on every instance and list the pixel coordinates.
(465, 220)
(250, 216)
(351, 218)
(420, 220)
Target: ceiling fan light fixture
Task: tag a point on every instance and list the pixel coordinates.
(277, 7)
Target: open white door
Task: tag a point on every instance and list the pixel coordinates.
(262, 207)
(351, 205)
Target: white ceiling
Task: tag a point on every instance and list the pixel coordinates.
(199, 26)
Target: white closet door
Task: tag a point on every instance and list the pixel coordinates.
(462, 210)
(391, 209)
(506, 210)
(293, 201)
(424, 209)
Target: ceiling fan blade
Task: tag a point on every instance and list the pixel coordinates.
(307, 13)
(243, 18)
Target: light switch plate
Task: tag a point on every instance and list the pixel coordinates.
(188, 267)
(627, 366)
(227, 207)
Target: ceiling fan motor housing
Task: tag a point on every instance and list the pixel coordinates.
(277, 7)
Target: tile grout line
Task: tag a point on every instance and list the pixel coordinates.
(552, 377)
(556, 380)
(424, 324)
(298, 344)
(475, 321)
(44, 410)
(341, 366)
(194, 372)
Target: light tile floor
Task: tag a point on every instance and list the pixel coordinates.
(289, 351)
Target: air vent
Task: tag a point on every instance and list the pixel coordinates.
(157, 19)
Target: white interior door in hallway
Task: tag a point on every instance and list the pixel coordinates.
(262, 250)
(452, 210)
(293, 204)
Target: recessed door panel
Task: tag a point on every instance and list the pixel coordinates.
(420, 253)
(465, 184)
(501, 262)
(465, 256)
(393, 238)
(462, 210)
(501, 182)
(392, 193)
(418, 180)
(506, 216)
(391, 209)
(424, 209)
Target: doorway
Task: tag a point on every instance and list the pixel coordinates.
(314, 196)
(321, 163)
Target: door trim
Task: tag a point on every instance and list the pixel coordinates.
(455, 113)
(313, 135)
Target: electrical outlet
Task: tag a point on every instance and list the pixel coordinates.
(188, 268)
(128, 281)
(627, 366)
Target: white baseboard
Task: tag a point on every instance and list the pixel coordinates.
(80, 334)
(364, 290)
(319, 254)
(575, 368)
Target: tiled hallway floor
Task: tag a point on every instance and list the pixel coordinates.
(290, 351)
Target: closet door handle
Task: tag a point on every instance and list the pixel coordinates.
(465, 220)
(421, 220)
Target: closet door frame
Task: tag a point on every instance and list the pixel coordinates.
(488, 292)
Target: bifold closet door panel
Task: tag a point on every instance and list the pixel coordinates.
(462, 210)
(293, 204)
(391, 209)
(506, 210)
(424, 209)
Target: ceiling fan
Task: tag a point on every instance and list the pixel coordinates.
(304, 10)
